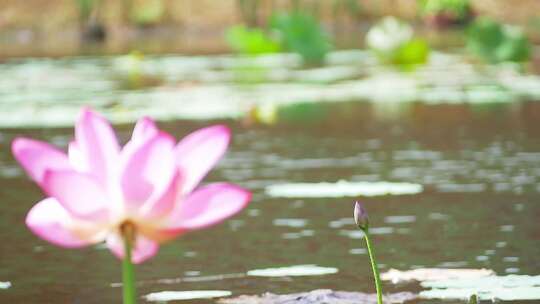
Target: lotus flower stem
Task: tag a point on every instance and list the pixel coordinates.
(128, 271)
(362, 221)
(376, 275)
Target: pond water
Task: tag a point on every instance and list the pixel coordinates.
(479, 166)
(456, 145)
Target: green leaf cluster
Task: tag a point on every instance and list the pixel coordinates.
(250, 41)
(412, 53)
(85, 8)
(148, 12)
(457, 8)
(495, 42)
(393, 41)
(301, 33)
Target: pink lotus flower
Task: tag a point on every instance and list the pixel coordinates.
(149, 185)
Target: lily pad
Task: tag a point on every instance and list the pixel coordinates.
(342, 189)
(164, 296)
(326, 296)
(293, 271)
(506, 288)
(348, 75)
(290, 222)
(501, 293)
(434, 274)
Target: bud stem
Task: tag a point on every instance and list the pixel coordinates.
(128, 273)
(371, 252)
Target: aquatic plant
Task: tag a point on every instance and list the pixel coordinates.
(393, 42)
(352, 8)
(134, 198)
(442, 13)
(248, 10)
(91, 29)
(130, 68)
(85, 8)
(362, 221)
(145, 13)
(250, 41)
(495, 42)
(301, 33)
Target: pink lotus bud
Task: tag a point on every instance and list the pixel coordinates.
(360, 216)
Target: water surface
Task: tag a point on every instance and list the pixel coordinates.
(479, 165)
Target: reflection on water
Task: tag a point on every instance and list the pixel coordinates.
(479, 166)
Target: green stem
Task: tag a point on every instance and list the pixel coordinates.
(128, 272)
(371, 252)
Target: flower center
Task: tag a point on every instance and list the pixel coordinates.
(128, 230)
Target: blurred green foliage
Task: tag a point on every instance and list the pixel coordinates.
(85, 8)
(351, 7)
(534, 23)
(248, 9)
(147, 13)
(301, 33)
(298, 112)
(495, 42)
(393, 41)
(460, 9)
(250, 41)
(301, 112)
(253, 42)
(412, 53)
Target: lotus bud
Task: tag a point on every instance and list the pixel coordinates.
(360, 216)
